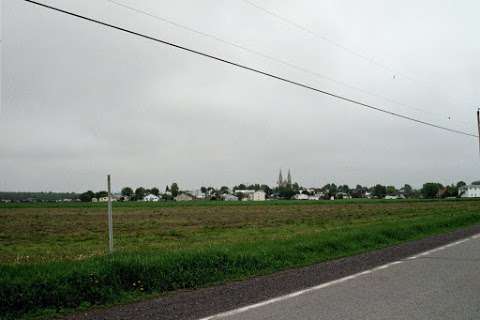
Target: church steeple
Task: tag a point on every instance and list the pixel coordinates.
(280, 178)
(289, 178)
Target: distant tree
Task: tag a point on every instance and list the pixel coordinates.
(241, 187)
(127, 192)
(285, 192)
(330, 189)
(265, 188)
(452, 191)
(139, 193)
(87, 196)
(379, 191)
(174, 189)
(344, 188)
(391, 190)
(461, 184)
(407, 191)
(295, 188)
(358, 192)
(101, 194)
(155, 191)
(203, 190)
(430, 190)
(224, 190)
(211, 191)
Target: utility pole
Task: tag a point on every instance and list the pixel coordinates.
(110, 221)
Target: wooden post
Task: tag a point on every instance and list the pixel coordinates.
(478, 122)
(110, 222)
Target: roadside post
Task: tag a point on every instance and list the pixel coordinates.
(478, 122)
(110, 222)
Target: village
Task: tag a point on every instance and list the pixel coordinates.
(286, 189)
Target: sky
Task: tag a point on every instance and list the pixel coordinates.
(80, 101)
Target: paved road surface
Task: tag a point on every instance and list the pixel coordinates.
(442, 284)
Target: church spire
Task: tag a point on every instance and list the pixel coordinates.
(280, 178)
(289, 178)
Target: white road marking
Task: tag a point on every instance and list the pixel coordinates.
(334, 282)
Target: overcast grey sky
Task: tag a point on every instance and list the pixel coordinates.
(80, 101)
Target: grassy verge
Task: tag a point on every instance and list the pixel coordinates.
(51, 288)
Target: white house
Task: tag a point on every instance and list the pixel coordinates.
(301, 196)
(388, 197)
(257, 196)
(470, 191)
(229, 197)
(105, 199)
(151, 198)
(184, 197)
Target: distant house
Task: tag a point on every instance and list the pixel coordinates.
(388, 197)
(229, 197)
(301, 196)
(151, 198)
(122, 198)
(315, 197)
(94, 200)
(257, 196)
(343, 195)
(104, 199)
(184, 197)
(470, 191)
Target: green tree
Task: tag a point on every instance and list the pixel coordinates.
(452, 191)
(407, 191)
(391, 190)
(430, 190)
(87, 196)
(461, 184)
(155, 191)
(101, 194)
(139, 193)
(174, 189)
(379, 191)
(224, 190)
(265, 188)
(357, 192)
(127, 192)
(344, 188)
(203, 190)
(240, 187)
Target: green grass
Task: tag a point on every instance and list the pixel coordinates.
(162, 248)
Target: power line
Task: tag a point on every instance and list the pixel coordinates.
(286, 63)
(335, 43)
(245, 67)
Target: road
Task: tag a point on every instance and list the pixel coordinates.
(443, 283)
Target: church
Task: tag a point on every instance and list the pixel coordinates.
(284, 182)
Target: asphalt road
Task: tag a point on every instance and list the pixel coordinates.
(441, 284)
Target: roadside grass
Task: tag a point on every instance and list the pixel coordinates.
(198, 247)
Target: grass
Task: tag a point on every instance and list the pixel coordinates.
(52, 257)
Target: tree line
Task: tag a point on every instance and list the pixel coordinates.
(427, 191)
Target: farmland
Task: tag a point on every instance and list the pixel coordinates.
(53, 256)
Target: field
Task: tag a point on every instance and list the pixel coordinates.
(53, 256)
